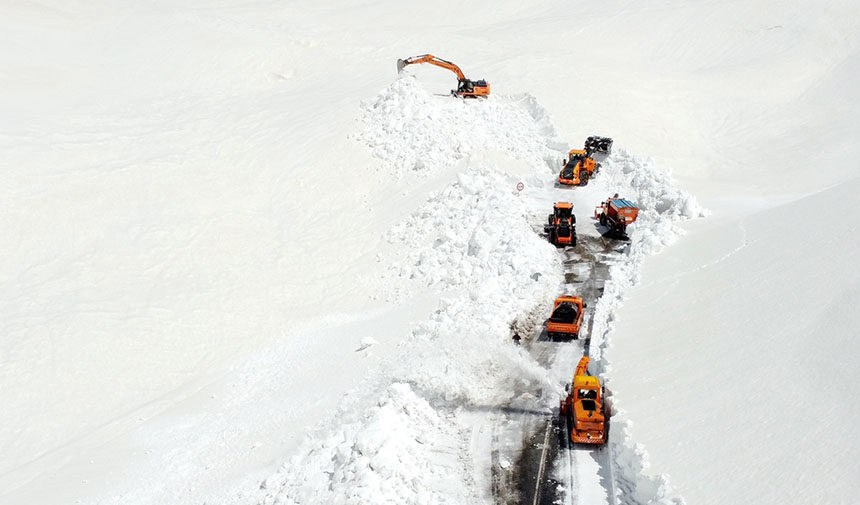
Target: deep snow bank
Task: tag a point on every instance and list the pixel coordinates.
(471, 240)
(414, 133)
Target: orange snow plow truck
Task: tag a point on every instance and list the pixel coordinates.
(566, 317)
(578, 168)
(617, 214)
(466, 88)
(585, 408)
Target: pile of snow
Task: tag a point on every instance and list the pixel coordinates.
(472, 240)
(472, 233)
(400, 451)
(414, 133)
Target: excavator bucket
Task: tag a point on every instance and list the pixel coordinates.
(400, 65)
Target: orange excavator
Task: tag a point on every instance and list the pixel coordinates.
(585, 407)
(466, 88)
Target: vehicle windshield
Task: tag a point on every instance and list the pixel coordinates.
(587, 394)
(563, 213)
(564, 231)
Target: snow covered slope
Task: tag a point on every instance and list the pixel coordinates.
(209, 231)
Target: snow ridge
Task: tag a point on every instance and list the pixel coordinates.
(411, 446)
(414, 133)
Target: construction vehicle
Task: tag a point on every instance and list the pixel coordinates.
(585, 407)
(466, 88)
(561, 225)
(617, 214)
(566, 318)
(597, 144)
(578, 168)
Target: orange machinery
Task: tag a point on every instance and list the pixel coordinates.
(585, 408)
(561, 225)
(566, 317)
(617, 214)
(465, 87)
(578, 168)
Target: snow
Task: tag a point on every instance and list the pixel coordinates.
(245, 262)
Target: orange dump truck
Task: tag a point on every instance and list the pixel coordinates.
(578, 168)
(585, 408)
(561, 225)
(566, 317)
(617, 214)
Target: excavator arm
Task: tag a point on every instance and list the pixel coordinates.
(429, 58)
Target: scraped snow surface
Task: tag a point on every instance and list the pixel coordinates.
(243, 261)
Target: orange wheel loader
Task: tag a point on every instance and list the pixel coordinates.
(466, 88)
(578, 168)
(561, 225)
(585, 408)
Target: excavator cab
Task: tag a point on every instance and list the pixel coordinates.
(472, 89)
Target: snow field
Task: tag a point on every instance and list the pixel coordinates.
(209, 151)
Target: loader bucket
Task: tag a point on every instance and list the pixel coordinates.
(400, 65)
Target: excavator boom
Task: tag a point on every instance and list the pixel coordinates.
(429, 58)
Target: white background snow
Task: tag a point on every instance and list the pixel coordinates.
(244, 262)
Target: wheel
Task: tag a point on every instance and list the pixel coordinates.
(603, 219)
(583, 178)
(549, 219)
